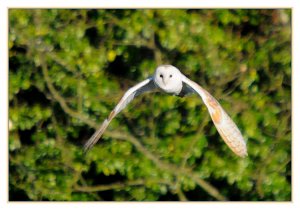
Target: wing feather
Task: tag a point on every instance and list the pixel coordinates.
(144, 86)
(224, 124)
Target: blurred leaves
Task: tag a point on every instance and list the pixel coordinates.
(68, 69)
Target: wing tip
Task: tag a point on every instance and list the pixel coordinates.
(87, 147)
(91, 142)
(242, 154)
(96, 136)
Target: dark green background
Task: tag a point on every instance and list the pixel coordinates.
(69, 68)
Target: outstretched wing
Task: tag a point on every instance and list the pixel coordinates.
(144, 86)
(224, 124)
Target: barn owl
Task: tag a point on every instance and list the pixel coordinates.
(169, 79)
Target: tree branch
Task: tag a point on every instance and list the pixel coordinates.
(60, 99)
(118, 185)
(181, 195)
(175, 170)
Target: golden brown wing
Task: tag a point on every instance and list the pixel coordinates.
(224, 124)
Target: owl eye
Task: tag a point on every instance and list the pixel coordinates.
(171, 75)
(161, 76)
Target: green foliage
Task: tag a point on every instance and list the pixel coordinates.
(68, 69)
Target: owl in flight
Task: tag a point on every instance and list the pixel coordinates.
(169, 79)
